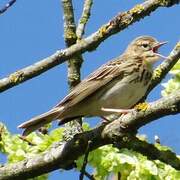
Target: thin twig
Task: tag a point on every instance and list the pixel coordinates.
(7, 6)
(84, 18)
(119, 176)
(117, 24)
(91, 177)
(83, 169)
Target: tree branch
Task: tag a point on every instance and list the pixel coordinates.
(62, 155)
(69, 23)
(7, 6)
(74, 63)
(84, 18)
(117, 24)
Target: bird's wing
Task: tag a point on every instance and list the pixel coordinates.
(93, 82)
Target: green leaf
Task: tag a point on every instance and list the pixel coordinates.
(174, 83)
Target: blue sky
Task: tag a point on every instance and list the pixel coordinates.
(32, 30)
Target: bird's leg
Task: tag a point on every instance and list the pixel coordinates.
(139, 107)
(122, 111)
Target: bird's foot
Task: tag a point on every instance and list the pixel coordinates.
(121, 111)
(141, 106)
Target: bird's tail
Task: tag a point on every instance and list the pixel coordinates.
(39, 121)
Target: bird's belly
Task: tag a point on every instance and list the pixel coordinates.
(119, 94)
(123, 95)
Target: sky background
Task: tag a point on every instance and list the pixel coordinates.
(33, 30)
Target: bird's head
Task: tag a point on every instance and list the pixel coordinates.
(147, 48)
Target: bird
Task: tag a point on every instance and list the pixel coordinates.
(115, 86)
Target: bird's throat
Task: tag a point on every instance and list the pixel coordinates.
(148, 65)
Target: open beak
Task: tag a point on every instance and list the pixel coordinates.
(157, 46)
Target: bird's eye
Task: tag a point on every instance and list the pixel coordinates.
(145, 46)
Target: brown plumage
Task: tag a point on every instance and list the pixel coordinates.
(120, 83)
